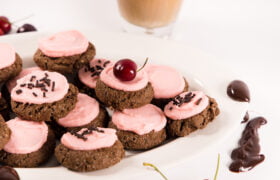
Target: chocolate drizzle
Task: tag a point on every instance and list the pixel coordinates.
(239, 91)
(85, 132)
(41, 84)
(178, 100)
(8, 173)
(97, 69)
(246, 118)
(247, 156)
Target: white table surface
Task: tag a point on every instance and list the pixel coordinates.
(243, 34)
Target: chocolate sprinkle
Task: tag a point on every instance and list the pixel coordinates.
(85, 132)
(22, 85)
(99, 61)
(106, 63)
(53, 85)
(178, 100)
(44, 94)
(198, 101)
(19, 91)
(32, 78)
(34, 94)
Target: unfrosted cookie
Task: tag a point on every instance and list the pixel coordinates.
(43, 96)
(123, 94)
(167, 83)
(190, 111)
(31, 144)
(87, 113)
(64, 52)
(10, 62)
(5, 133)
(140, 128)
(89, 149)
(88, 75)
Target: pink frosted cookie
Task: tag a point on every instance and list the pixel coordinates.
(123, 94)
(10, 62)
(65, 52)
(190, 111)
(43, 96)
(89, 149)
(87, 113)
(31, 144)
(140, 128)
(167, 83)
(88, 75)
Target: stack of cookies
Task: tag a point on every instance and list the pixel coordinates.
(65, 98)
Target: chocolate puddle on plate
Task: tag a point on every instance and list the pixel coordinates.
(239, 91)
(247, 155)
(8, 173)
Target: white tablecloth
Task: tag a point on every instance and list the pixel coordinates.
(244, 34)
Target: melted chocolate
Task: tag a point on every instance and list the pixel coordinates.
(247, 156)
(238, 91)
(8, 173)
(246, 118)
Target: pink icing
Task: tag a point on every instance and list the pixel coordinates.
(140, 120)
(95, 140)
(90, 76)
(86, 110)
(139, 82)
(189, 109)
(26, 137)
(54, 93)
(167, 82)
(67, 43)
(7, 55)
(13, 82)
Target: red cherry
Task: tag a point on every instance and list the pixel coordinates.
(125, 70)
(1, 32)
(5, 25)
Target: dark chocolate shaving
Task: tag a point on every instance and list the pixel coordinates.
(19, 91)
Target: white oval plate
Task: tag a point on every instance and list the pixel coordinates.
(201, 71)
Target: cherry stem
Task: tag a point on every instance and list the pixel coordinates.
(155, 168)
(217, 168)
(27, 17)
(143, 64)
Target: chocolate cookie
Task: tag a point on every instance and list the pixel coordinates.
(119, 100)
(133, 141)
(32, 159)
(183, 127)
(5, 133)
(64, 64)
(47, 111)
(12, 70)
(84, 160)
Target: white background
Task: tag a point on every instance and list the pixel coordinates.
(243, 34)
